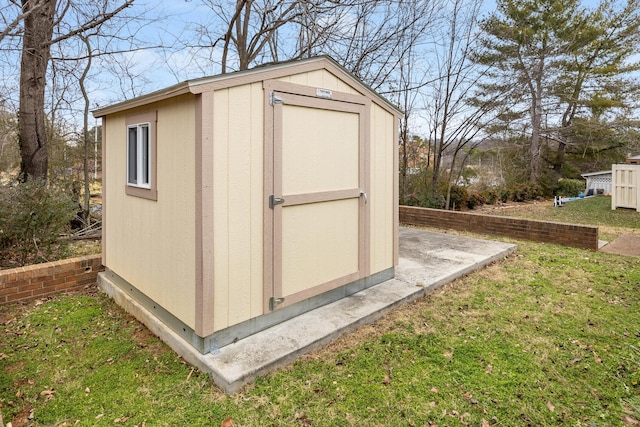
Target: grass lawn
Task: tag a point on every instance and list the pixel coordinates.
(549, 336)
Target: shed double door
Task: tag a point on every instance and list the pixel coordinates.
(316, 231)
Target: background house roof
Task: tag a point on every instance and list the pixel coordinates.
(584, 175)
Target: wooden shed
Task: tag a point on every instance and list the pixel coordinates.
(234, 202)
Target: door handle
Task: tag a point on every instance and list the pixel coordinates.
(364, 194)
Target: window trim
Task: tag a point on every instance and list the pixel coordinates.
(145, 191)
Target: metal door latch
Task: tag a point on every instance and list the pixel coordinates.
(364, 194)
(273, 201)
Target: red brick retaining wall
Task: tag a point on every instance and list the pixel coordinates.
(38, 280)
(580, 236)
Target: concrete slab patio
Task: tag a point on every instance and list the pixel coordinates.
(626, 244)
(428, 260)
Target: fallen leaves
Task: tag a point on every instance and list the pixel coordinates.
(471, 399)
(47, 394)
(228, 422)
(587, 347)
(387, 376)
(462, 418)
(629, 421)
(550, 406)
(597, 358)
(302, 419)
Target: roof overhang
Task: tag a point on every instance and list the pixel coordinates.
(585, 175)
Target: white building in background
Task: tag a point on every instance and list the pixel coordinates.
(598, 181)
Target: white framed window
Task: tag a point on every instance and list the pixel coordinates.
(141, 155)
(138, 155)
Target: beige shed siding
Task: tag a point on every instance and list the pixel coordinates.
(238, 198)
(382, 148)
(238, 227)
(382, 189)
(320, 79)
(151, 243)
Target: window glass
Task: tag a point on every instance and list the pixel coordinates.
(138, 155)
(132, 155)
(144, 153)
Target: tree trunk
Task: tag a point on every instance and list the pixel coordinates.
(536, 123)
(404, 161)
(85, 134)
(38, 30)
(534, 152)
(559, 160)
(242, 36)
(437, 160)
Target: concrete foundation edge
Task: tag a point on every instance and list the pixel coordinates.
(157, 327)
(232, 383)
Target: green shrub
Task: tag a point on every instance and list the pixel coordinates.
(426, 199)
(523, 192)
(459, 196)
(33, 216)
(569, 187)
(410, 200)
(476, 199)
(432, 200)
(491, 196)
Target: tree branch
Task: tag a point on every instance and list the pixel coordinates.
(93, 23)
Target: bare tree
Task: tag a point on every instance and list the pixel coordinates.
(45, 26)
(368, 37)
(38, 32)
(86, 138)
(250, 26)
(409, 78)
(8, 147)
(372, 38)
(407, 99)
(11, 20)
(455, 121)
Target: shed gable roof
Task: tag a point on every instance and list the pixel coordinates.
(260, 73)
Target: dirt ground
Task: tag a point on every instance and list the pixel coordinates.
(507, 206)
